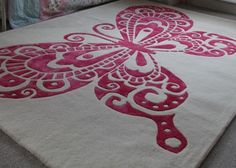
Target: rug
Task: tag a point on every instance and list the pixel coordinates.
(121, 85)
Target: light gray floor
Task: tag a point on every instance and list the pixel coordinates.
(14, 156)
(223, 155)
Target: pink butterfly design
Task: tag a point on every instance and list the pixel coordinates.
(121, 60)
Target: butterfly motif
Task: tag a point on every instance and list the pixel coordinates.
(121, 60)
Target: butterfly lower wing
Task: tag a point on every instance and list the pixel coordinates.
(149, 91)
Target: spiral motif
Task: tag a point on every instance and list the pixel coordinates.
(74, 37)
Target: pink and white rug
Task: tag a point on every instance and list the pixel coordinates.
(93, 98)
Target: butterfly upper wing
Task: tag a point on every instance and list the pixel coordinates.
(149, 25)
(47, 69)
(202, 43)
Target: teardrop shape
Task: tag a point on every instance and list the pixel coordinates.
(140, 64)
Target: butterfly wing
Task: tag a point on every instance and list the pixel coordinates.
(47, 69)
(141, 87)
(149, 25)
(200, 43)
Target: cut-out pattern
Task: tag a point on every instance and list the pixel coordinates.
(123, 66)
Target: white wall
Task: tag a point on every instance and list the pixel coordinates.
(169, 2)
(219, 5)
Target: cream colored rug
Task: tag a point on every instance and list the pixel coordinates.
(127, 84)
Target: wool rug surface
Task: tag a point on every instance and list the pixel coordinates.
(127, 84)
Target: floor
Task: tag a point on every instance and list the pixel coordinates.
(14, 156)
(223, 154)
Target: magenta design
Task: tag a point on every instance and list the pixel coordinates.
(121, 60)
